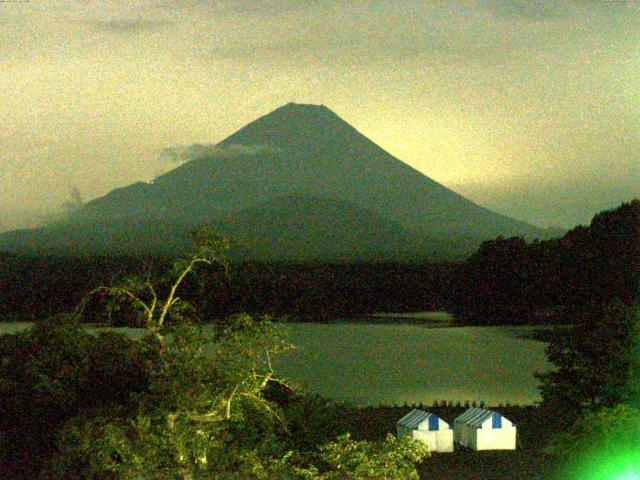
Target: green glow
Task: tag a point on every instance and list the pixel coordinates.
(603, 464)
(630, 475)
(625, 466)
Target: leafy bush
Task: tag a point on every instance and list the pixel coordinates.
(600, 445)
(55, 370)
(595, 361)
(313, 421)
(203, 411)
(364, 460)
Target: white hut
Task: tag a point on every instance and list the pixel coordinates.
(480, 429)
(427, 428)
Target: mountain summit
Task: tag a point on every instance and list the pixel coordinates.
(298, 126)
(348, 191)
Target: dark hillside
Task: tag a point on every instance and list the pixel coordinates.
(557, 280)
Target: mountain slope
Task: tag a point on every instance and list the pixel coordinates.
(309, 228)
(303, 151)
(292, 228)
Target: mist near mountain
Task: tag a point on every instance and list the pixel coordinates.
(298, 183)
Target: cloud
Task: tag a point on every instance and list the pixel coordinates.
(544, 11)
(186, 153)
(131, 25)
(379, 33)
(531, 10)
(267, 8)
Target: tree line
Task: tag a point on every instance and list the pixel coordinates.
(592, 280)
(34, 287)
(510, 281)
(506, 281)
(80, 405)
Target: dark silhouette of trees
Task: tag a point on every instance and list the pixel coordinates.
(51, 285)
(495, 281)
(594, 361)
(511, 281)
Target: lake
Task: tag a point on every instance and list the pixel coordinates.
(392, 364)
(373, 364)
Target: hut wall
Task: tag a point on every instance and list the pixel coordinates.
(497, 439)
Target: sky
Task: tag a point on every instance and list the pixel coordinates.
(530, 108)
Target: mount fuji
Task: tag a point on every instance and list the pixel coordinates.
(297, 184)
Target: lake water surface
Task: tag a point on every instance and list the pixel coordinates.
(374, 364)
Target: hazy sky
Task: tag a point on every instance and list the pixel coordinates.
(529, 108)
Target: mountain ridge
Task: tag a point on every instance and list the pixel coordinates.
(307, 151)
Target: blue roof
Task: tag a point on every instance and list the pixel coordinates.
(475, 417)
(415, 417)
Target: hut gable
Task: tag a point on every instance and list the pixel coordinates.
(481, 429)
(421, 420)
(427, 428)
(481, 418)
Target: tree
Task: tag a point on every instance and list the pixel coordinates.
(53, 371)
(495, 283)
(192, 402)
(631, 392)
(509, 280)
(204, 411)
(363, 460)
(600, 445)
(615, 235)
(603, 442)
(141, 293)
(202, 392)
(593, 361)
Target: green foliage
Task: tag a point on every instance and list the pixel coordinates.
(50, 285)
(364, 460)
(596, 396)
(210, 246)
(178, 404)
(61, 366)
(56, 369)
(198, 409)
(594, 361)
(600, 445)
(203, 412)
(313, 421)
(496, 282)
(144, 304)
(509, 280)
(631, 392)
